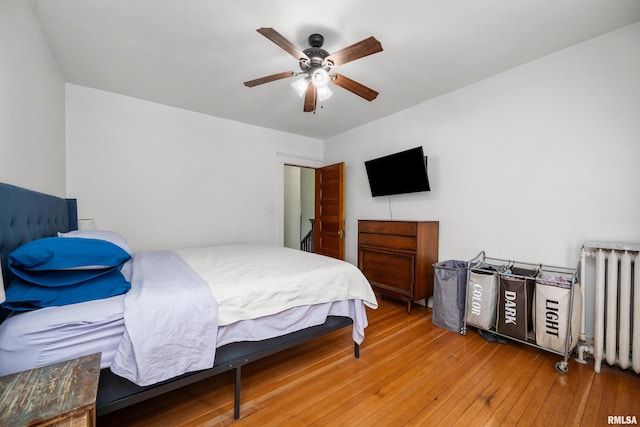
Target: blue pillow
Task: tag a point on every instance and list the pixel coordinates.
(57, 261)
(57, 253)
(57, 278)
(23, 296)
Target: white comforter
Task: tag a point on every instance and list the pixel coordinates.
(251, 281)
(193, 291)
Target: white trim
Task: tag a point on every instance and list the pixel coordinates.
(288, 159)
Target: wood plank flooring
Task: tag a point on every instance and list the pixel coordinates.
(410, 372)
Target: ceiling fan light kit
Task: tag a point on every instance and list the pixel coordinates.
(320, 78)
(324, 93)
(316, 64)
(300, 86)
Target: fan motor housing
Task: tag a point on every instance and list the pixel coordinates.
(316, 40)
(315, 53)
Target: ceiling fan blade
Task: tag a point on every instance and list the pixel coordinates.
(267, 79)
(310, 99)
(354, 87)
(356, 51)
(285, 44)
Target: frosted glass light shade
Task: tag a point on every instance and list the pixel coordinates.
(324, 93)
(300, 86)
(320, 78)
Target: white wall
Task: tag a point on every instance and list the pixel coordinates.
(31, 104)
(525, 165)
(168, 178)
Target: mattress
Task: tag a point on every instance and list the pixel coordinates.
(42, 337)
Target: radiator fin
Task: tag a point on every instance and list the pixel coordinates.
(617, 304)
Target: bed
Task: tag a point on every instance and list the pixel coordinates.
(232, 313)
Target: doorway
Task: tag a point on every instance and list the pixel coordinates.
(329, 199)
(284, 160)
(299, 207)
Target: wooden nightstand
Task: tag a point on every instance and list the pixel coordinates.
(63, 394)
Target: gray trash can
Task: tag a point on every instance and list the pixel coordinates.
(449, 294)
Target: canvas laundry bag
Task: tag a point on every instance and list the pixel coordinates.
(449, 290)
(482, 294)
(515, 302)
(554, 312)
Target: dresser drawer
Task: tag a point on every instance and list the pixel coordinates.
(389, 270)
(401, 228)
(390, 241)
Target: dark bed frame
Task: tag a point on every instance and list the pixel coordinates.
(26, 215)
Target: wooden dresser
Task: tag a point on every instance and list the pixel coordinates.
(398, 256)
(62, 394)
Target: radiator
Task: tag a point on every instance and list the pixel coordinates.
(616, 332)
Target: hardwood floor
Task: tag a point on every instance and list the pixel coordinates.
(410, 372)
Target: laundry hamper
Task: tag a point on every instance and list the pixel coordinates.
(482, 297)
(526, 296)
(449, 291)
(515, 302)
(557, 316)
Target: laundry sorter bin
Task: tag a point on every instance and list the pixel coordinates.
(482, 296)
(535, 304)
(515, 302)
(558, 312)
(449, 294)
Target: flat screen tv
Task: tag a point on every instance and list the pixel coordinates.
(398, 173)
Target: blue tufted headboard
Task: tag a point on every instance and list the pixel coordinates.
(26, 215)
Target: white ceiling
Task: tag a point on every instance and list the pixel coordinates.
(195, 54)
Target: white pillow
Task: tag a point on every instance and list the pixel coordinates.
(109, 236)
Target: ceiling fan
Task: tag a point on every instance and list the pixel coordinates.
(316, 65)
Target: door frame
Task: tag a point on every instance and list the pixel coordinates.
(293, 160)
